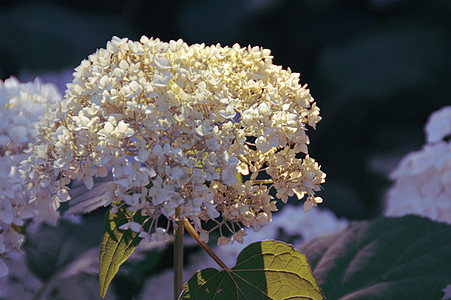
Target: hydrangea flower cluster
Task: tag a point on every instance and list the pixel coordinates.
(423, 178)
(21, 106)
(174, 124)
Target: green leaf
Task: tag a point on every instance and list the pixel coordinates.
(389, 258)
(49, 250)
(117, 245)
(264, 270)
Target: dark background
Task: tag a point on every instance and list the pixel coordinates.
(376, 68)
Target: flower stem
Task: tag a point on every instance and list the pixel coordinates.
(178, 257)
(204, 245)
(42, 289)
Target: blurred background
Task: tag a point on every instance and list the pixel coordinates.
(377, 69)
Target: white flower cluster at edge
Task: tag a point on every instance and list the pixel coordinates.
(174, 124)
(423, 178)
(21, 106)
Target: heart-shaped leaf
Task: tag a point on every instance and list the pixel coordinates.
(389, 258)
(117, 245)
(264, 270)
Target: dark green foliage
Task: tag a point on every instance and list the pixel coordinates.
(389, 258)
(50, 249)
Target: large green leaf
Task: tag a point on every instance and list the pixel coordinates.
(389, 258)
(117, 245)
(264, 270)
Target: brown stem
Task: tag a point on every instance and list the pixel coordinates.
(178, 258)
(204, 245)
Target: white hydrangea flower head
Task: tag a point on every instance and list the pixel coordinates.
(423, 178)
(21, 106)
(439, 125)
(174, 124)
